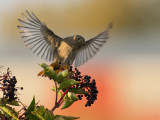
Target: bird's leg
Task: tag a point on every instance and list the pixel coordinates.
(56, 65)
(70, 68)
(64, 67)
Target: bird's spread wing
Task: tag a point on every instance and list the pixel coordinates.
(38, 37)
(90, 48)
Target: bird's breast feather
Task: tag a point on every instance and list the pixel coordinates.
(64, 50)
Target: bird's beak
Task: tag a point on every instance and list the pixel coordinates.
(74, 37)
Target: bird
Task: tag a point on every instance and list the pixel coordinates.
(45, 43)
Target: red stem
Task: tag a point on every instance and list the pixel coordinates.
(63, 95)
(3, 88)
(59, 102)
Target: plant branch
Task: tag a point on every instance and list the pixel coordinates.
(3, 88)
(63, 95)
(56, 93)
(21, 115)
(24, 107)
(60, 100)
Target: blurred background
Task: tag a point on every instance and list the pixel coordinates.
(127, 68)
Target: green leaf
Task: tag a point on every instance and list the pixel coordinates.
(67, 83)
(59, 93)
(54, 88)
(43, 113)
(67, 103)
(61, 75)
(69, 99)
(15, 103)
(30, 109)
(66, 97)
(62, 117)
(50, 73)
(32, 105)
(77, 91)
(44, 65)
(6, 101)
(72, 96)
(37, 115)
(10, 111)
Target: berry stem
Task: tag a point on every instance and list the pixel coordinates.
(3, 88)
(63, 95)
(21, 116)
(56, 93)
(59, 102)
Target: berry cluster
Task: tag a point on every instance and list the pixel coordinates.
(8, 83)
(86, 84)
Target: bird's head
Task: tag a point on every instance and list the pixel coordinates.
(79, 39)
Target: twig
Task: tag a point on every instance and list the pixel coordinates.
(63, 95)
(60, 100)
(22, 115)
(37, 102)
(24, 107)
(3, 88)
(56, 93)
(56, 106)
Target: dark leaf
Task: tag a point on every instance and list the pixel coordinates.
(32, 105)
(67, 103)
(30, 109)
(67, 83)
(5, 101)
(13, 102)
(77, 91)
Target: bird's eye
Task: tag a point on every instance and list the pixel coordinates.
(78, 38)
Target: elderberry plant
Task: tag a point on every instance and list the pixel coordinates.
(70, 86)
(10, 97)
(86, 84)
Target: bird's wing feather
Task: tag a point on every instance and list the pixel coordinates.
(38, 37)
(90, 48)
